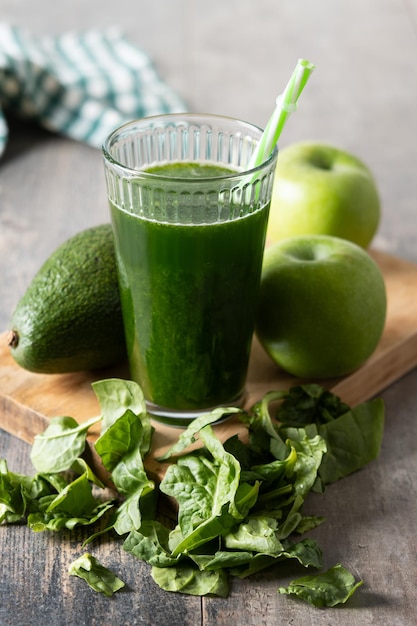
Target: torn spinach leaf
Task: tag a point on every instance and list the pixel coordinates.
(97, 576)
(335, 586)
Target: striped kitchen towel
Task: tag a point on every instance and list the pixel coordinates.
(78, 84)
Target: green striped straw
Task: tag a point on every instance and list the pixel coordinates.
(286, 104)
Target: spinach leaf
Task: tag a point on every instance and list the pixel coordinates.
(76, 499)
(129, 513)
(80, 466)
(67, 504)
(119, 439)
(285, 483)
(151, 544)
(188, 436)
(310, 404)
(116, 396)
(222, 559)
(263, 433)
(275, 470)
(202, 485)
(309, 456)
(353, 440)
(209, 492)
(307, 552)
(131, 481)
(56, 521)
(13, 500)
(215, 526)
(256, 564)
(192, 482)
(56, 449)
(210, 529)
(97, 576)
(353, 436)
(188, 579)
(258, 534)
(335, 586)
(22, 495)
(228, 476)
(125, 440)
(309, 522)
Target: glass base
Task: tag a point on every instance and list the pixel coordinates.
(182, 418)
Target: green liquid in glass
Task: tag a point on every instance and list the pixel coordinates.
(189, 296)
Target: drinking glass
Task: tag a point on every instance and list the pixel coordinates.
(189, 217)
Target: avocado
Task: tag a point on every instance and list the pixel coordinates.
(70, 317)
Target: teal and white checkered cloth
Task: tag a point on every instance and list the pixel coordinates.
(78, 84)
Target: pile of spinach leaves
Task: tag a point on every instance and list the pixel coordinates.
(239, 503)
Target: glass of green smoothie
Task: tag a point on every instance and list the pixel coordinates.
(189, 217)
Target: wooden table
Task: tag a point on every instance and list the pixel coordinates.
(231, 58)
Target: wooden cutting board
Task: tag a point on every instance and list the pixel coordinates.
(28, 401)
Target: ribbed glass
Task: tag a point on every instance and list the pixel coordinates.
(133, 148)
(189, 251)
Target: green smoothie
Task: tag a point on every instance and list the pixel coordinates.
(184, 289)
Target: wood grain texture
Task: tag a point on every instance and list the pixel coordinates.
(29, 400)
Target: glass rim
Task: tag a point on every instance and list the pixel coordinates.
(163, 177)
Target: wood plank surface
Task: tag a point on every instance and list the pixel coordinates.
(28, 400)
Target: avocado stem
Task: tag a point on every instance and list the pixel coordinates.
(13, 338)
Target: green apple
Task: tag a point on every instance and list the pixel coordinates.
(323, 190)
(322, 305)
